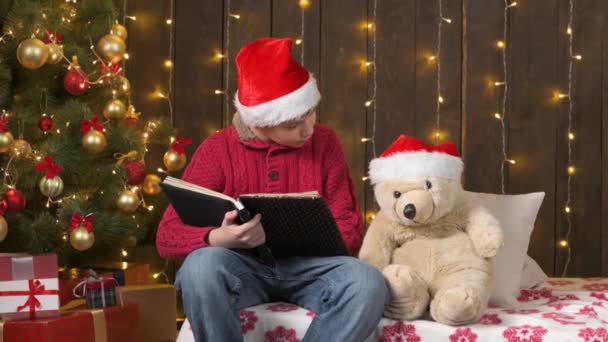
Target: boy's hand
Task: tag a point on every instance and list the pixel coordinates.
(231, 235)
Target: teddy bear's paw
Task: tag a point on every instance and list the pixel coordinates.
(490, 245)
(456, 306)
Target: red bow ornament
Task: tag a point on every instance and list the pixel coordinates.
(3, 123)
(93, 123)
(79, 220)
(50, 36)
(180, 143)
(49, 166)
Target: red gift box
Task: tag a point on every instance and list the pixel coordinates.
(29, 287)
(112, 324)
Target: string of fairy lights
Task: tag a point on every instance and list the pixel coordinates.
(501, 44)
(571, 169)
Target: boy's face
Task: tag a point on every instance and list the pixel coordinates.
(292, 133)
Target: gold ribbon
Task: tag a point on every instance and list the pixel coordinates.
(1, 331)
(121, 157)
(99, 326)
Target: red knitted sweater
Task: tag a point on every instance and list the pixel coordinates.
(233, 161)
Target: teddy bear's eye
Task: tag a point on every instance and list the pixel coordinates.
(429, 185)
(397, 194)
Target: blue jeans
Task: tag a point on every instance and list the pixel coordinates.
(347, 294)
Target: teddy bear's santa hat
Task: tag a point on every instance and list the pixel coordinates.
(410, 158)
(272, 87)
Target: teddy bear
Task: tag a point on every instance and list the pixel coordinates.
(428, 242)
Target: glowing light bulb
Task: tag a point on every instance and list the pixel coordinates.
(500, 44)
(563, 243)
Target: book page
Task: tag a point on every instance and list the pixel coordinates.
(197, 188)
(308, 194)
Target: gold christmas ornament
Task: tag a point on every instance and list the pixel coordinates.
(174, 161)
(81, 239)
(122, 85)
(55, 53)
(128, 201)
(21, 149)
(151, 185)
(51, 187)
(94, 141)
(6, 141)
(111, 48)
(3, 228)
(120, 31)
(32, 53)
(115, 110)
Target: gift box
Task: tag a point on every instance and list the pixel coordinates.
(126, 273)
(157, 310)
(29, 287)
(70, 278)
(113, 324)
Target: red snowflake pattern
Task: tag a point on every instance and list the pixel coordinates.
(561, 318)
(600, 296)
(521, 311)
(311, 314)
(280, 334)
(598, 304)
(558, 306)
(596, 287)
(463, 335)
(594, 335)
(563, 297)
(490, 319)
(560, 282)
(588, 310)
(534, 294)
(524, 333)
(282, 307)
(248, 320)
(399, 332)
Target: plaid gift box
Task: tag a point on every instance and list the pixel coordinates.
(98, 292)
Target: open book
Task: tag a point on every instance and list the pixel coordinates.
(296, 224)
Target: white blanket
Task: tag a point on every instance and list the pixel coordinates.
(562, 309)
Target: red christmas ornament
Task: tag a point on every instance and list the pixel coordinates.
(136, 172)
(15, 201)
(76, 81)
(45, 123)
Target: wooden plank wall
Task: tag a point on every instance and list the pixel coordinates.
(336, 44)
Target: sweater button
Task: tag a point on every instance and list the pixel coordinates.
(273, 175)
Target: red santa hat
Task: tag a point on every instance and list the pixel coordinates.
(410, 158)
(272, 87)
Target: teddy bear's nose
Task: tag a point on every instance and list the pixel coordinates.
(409, 211)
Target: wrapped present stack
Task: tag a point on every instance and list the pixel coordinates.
(156, 302)
(29, 305)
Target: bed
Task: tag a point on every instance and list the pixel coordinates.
(561, 309)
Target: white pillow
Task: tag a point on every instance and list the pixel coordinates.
(516, 214)
(532, 275)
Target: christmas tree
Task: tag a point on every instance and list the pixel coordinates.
(72, 147)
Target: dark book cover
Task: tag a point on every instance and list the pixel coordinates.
(296, 224)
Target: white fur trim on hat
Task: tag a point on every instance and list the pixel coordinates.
(285, 108)
(414, 165)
